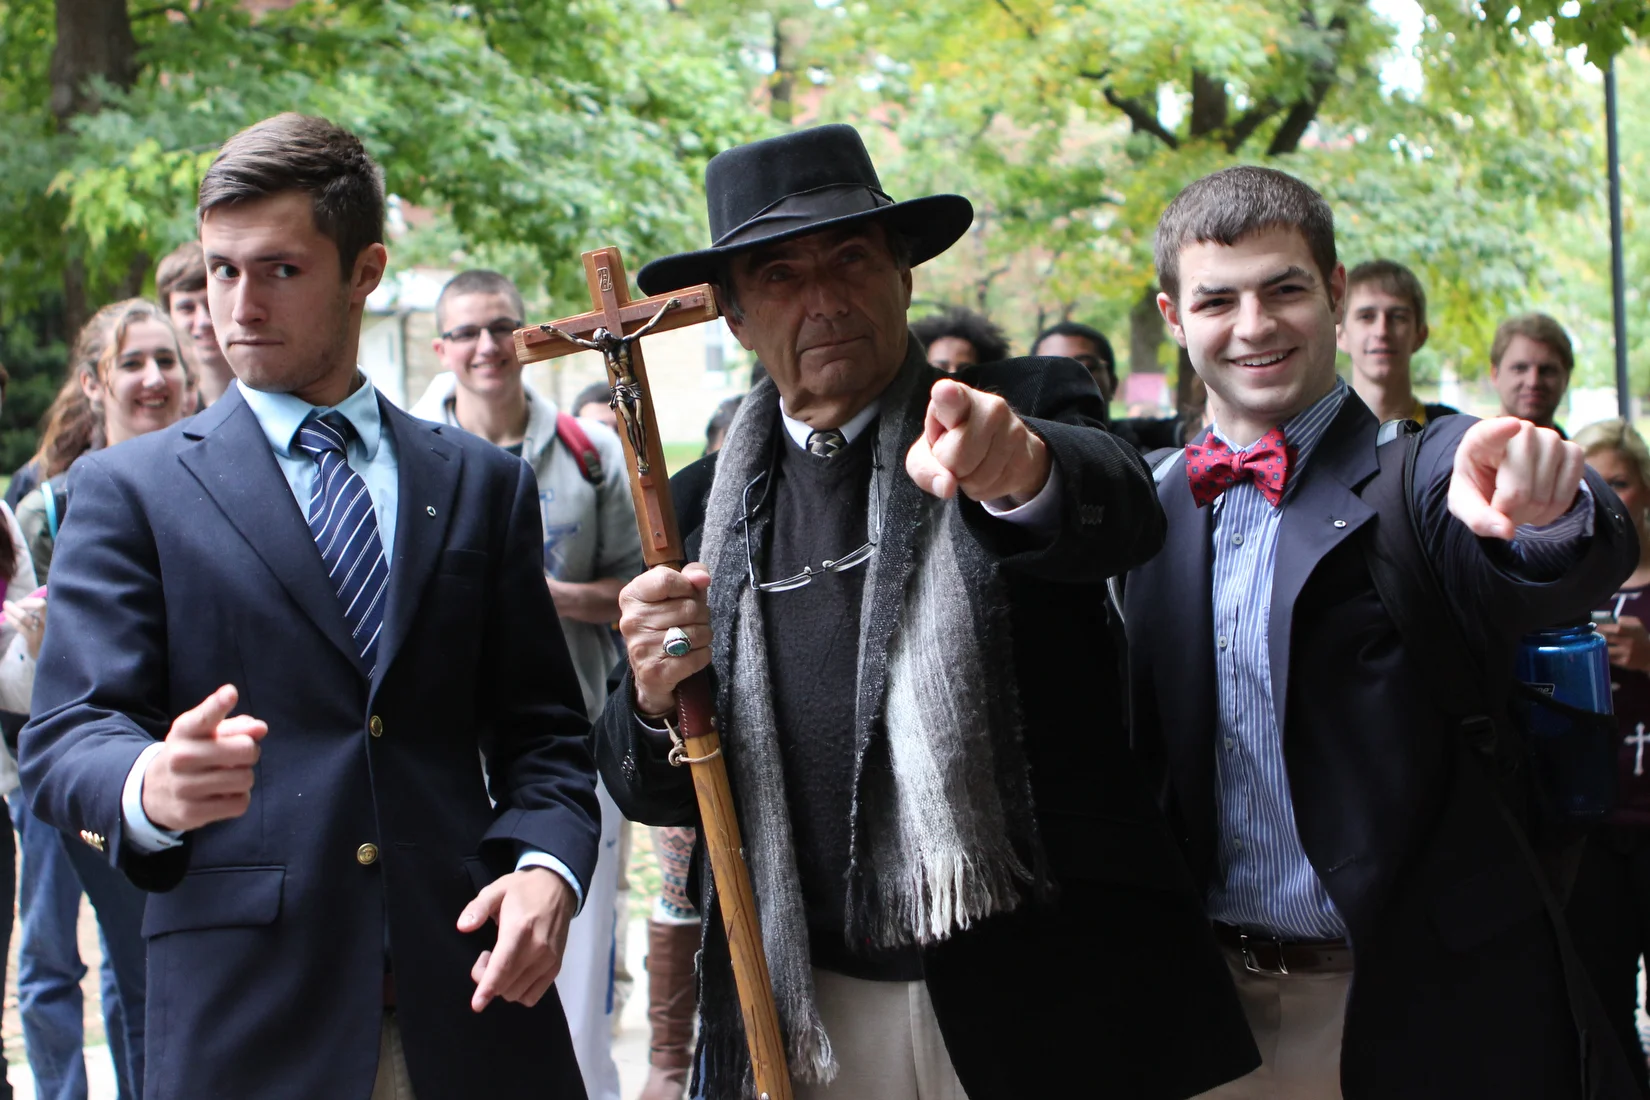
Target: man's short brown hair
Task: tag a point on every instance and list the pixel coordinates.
(1231, 204)
(293, 152)
(1394, 278)
(1538, 327)
(477, 281)
(183, 270)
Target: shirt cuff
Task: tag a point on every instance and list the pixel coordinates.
(532, 857)
(1577, 523)
(141, 833)
(1040, 514)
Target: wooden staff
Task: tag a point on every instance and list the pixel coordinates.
(615, 328)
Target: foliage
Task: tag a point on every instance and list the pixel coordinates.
(1579, 291)
(543, 126)
(1071, 122)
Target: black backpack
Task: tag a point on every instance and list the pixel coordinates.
(1495, 725)
(1496, 739)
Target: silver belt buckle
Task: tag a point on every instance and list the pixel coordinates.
(1251, 964)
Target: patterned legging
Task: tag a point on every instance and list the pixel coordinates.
(675, 850)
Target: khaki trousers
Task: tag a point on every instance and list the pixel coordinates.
(1297, 1020)
(886, 1039)
(393, 1081)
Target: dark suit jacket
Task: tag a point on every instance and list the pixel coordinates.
(1117, 984)
(1457, 991)
(187, 564)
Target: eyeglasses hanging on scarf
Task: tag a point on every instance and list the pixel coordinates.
(830, 565)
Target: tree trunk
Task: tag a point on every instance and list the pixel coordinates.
(1189, 395)
(1146, 334)
(783, 80)
(94, 40)
(1208, 104)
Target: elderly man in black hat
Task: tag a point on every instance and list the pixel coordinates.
(964, 884)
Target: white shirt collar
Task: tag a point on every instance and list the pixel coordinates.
(800, 431)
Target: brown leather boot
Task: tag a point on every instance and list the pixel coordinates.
(671, 1008)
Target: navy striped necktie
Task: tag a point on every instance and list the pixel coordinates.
(345, 528)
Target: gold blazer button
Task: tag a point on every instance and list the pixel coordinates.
(366, 855)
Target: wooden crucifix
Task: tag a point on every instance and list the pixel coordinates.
(615, 328)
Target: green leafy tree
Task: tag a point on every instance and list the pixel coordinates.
(531, 129)
(1070, 124)
(543, 125)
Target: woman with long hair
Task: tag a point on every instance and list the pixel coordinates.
(126, 378)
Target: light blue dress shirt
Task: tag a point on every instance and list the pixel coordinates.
(1264, 881)
(372, 456)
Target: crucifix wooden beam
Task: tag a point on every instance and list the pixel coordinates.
(615, 328)
(535, 344)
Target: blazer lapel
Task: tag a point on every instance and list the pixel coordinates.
(427, 484)
(1170, 618)
(1322, 512)
(227, 452)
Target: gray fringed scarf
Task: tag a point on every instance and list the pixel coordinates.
(942, 830)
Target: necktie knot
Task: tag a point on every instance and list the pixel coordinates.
(329, 434)
(1214, 468)
(826, 442)
(345, 529)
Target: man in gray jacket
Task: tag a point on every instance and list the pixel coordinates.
(591, 550)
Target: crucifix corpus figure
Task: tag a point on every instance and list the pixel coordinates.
(896, 584)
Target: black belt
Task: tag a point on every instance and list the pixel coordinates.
(1264, 953)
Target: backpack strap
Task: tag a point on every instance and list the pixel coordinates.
(1408, 583)
(1428, 623)
(573, 438)
(1162, 462)
(48, 500)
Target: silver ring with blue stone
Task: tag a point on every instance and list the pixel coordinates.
(677, 643)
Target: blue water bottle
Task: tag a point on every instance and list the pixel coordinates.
(1571, 731)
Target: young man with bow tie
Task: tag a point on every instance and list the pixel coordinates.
(1385, 929)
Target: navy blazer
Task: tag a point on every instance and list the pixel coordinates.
(185, 563)
(1458, 989)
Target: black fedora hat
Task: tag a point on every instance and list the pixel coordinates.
(800, 183)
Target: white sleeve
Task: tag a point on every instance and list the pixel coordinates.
(16, 666)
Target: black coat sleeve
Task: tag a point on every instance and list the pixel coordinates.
(633, 759)
(1485, 576)
(538, 756)
(1110, 518)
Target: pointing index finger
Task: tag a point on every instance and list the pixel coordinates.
(949, 403)
(201, 723)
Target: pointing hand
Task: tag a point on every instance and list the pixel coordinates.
(203, 772)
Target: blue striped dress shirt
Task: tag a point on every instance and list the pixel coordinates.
(1265, 881)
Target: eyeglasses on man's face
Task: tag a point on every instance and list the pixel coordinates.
(502, 331)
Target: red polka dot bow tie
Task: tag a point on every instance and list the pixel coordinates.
(1215, 468)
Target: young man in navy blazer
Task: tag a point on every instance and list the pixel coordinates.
(1387, 934)
(306, 684)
